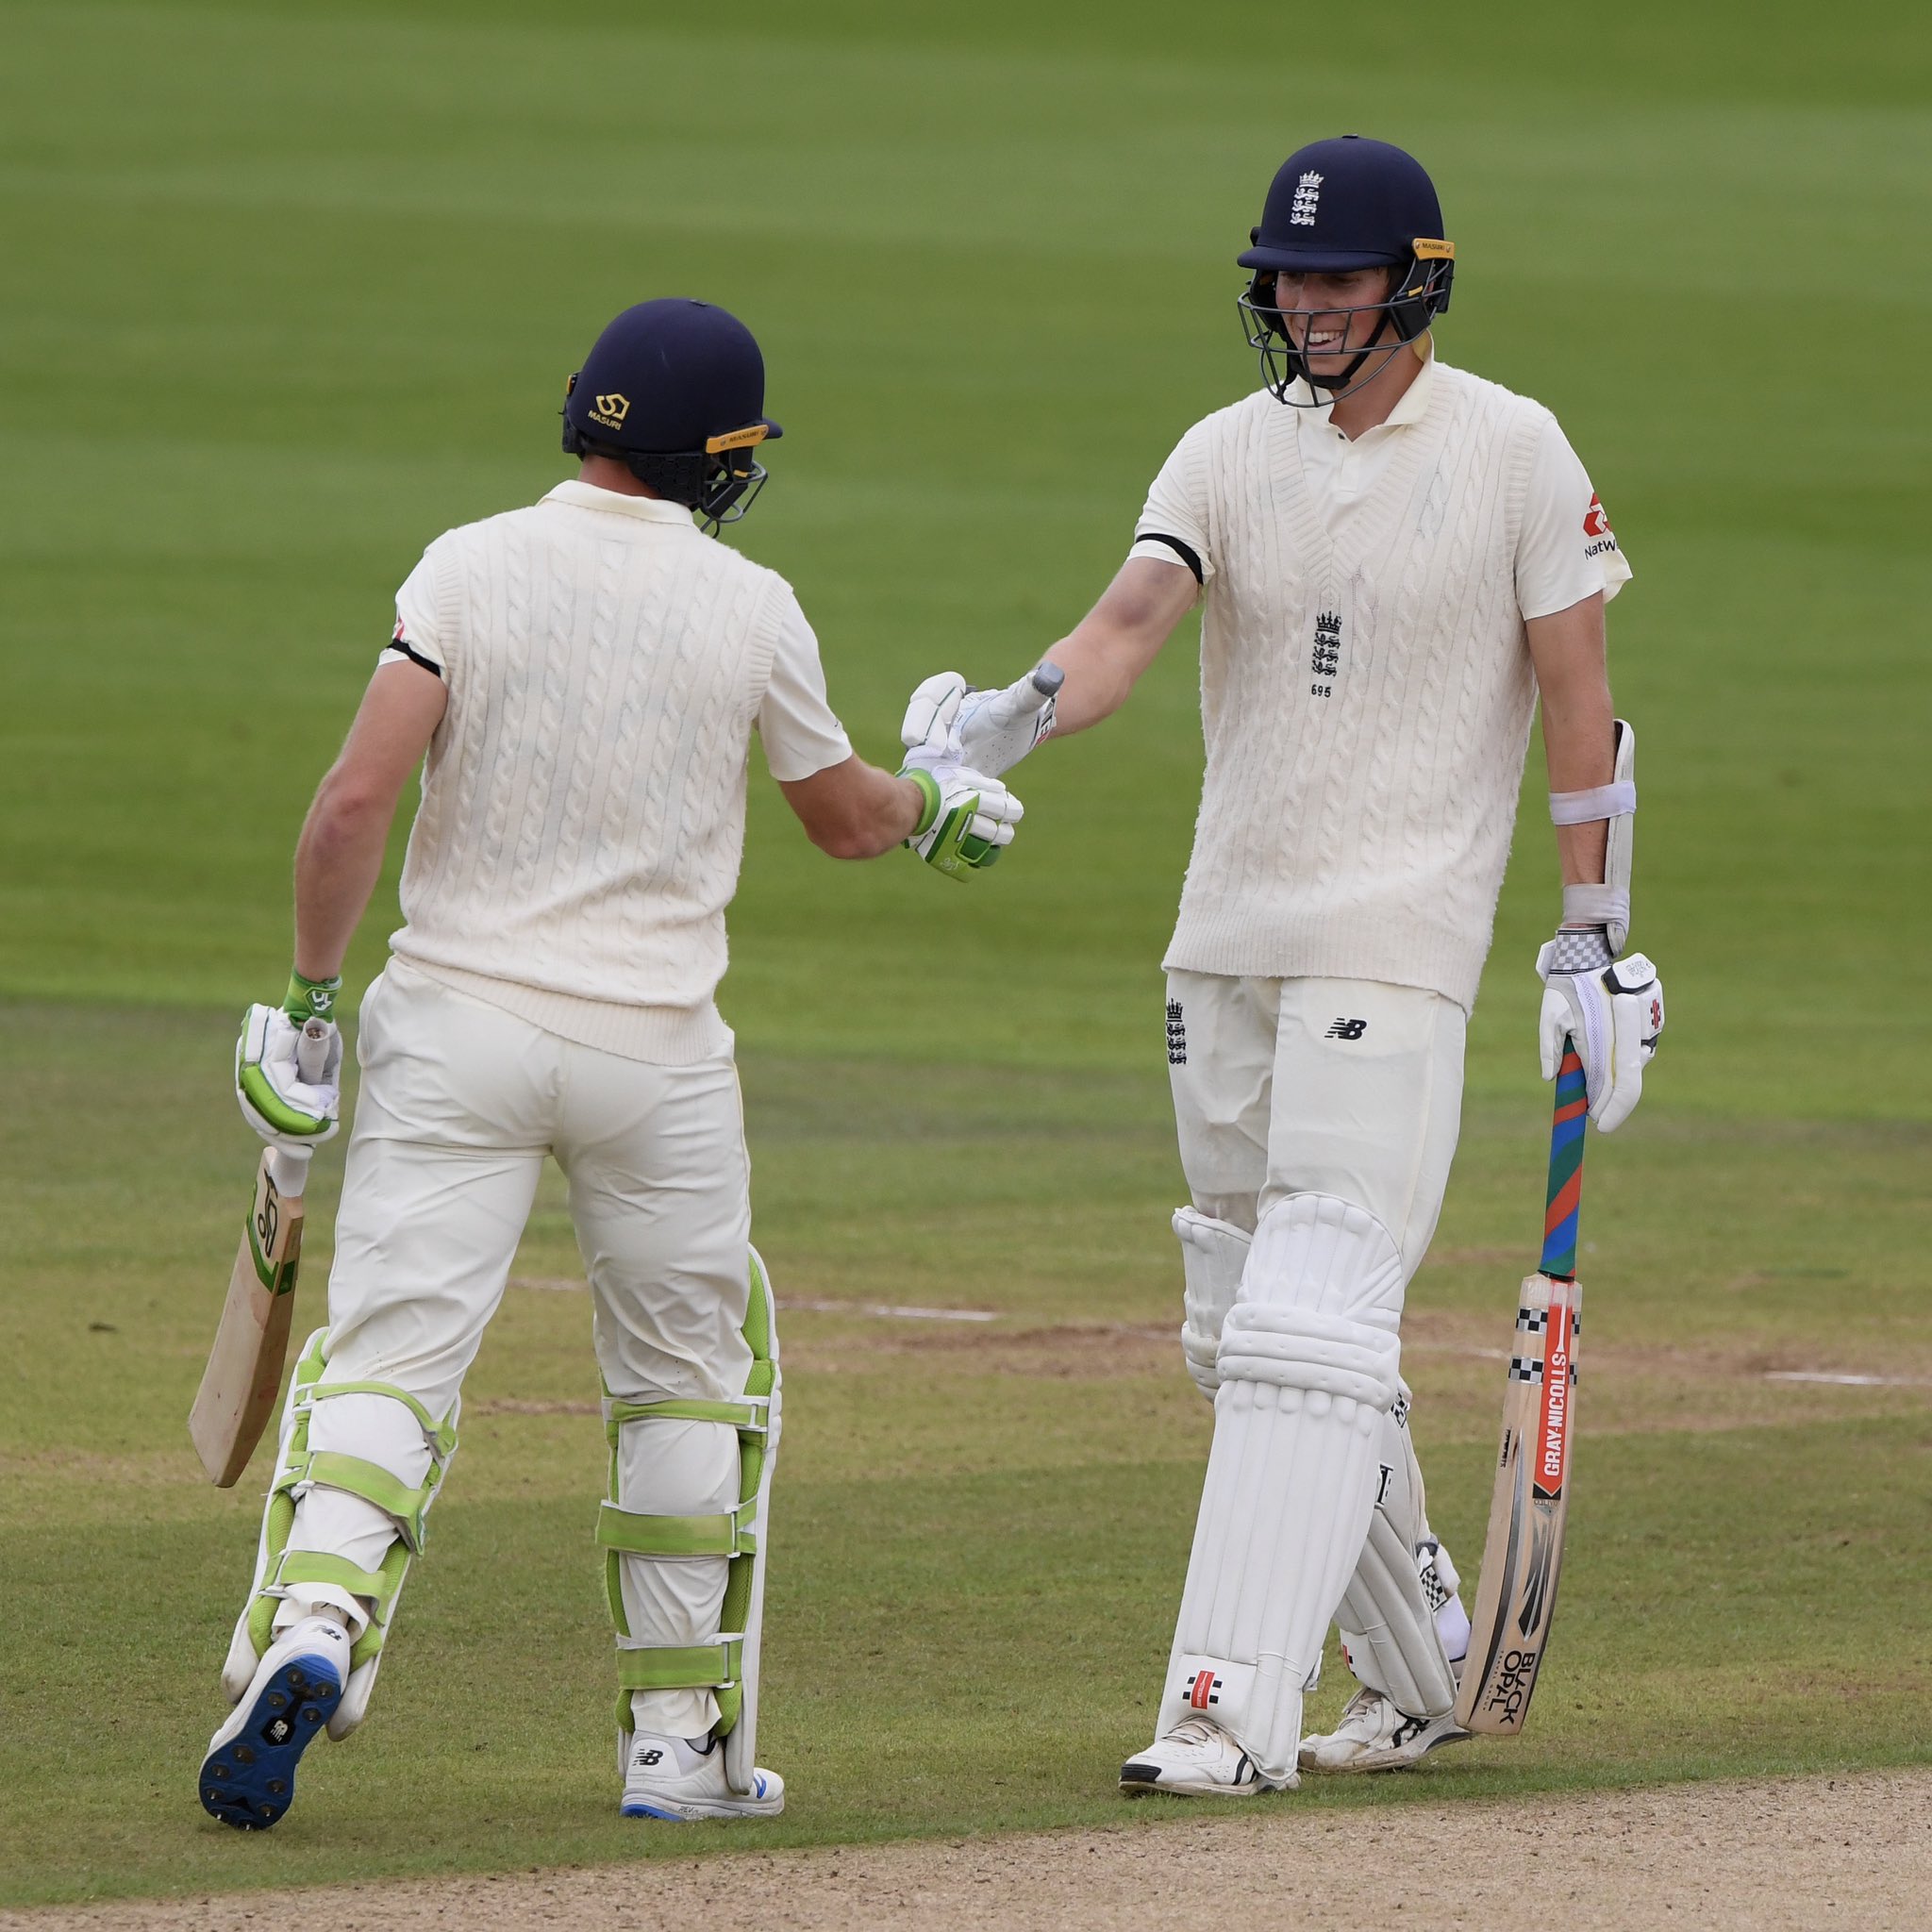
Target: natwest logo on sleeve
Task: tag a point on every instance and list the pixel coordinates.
(1596, 526)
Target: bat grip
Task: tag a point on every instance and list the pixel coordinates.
(287, 1167)
(312, 1050)
(1561, 1207)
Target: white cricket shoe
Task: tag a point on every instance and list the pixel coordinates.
(1197, 1759)
(1375, 1735)
(248, 1776)
(667, 1777)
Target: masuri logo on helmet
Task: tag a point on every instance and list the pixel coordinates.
(674, 390)
(1335, 205)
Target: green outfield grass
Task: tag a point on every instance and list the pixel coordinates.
(290, 290)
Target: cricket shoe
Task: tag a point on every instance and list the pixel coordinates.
(668, 1777)
(1197, 1759)
(1375, 1735)
(248, 1776)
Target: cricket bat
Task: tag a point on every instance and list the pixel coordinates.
(243, 1375)
(1523, 1554)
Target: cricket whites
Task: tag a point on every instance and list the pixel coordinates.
(1516, 1597)
(243, 1375)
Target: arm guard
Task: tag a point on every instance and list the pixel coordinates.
(1608, 905)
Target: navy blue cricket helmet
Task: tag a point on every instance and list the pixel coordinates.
(1339, 205)
(675, 391)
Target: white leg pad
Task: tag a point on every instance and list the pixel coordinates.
(685, 1535)
(1308, 1364)
(671, 1467)
(1388, 1617)
(1213, 1256)
(358, 1468)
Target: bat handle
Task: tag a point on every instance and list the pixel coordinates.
(1570, 1115)
(1047, 679)
(287, 1167)
(311, 1049)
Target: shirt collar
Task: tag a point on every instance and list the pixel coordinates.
(648, 509)
(1411, 407)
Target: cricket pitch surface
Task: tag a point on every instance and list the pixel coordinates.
(1782, 1854)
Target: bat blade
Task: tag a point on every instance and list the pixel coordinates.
(1522, 1554)
(243, 1375)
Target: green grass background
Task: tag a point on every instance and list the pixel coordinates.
(291, 290)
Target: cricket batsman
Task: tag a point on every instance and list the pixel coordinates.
(1398, 559)
(585, 676)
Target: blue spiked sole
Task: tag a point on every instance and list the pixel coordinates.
(248, 1780)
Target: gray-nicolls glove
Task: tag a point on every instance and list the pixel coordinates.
(1612, 1008)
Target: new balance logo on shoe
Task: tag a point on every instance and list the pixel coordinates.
(1347, 1029)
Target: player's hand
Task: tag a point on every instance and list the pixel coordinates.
(997, 728)
(1612, 1010)
(289, 1065)
(968, 816)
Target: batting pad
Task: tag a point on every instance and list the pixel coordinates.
(361, 1463)
(687, 1585)
(1307, 1367)
(1387, 1621)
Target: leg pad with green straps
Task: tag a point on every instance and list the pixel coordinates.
(725, 1664)
(412, 1436)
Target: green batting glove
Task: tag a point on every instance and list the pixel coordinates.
(967, 819)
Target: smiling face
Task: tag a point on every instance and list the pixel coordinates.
(1315, 310)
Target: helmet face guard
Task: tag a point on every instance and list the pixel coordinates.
(720, 482)
(1418, 292)
(674, 390)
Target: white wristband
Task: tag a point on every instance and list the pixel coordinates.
(1618, 801)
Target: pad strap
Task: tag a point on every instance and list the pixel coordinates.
(636, 1535)
(1615, 801)
(690, 1667)
(751, 1416)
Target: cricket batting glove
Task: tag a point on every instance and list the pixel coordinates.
(997, 728)
(289, 1065)
(967, 816)
(1614, 1011)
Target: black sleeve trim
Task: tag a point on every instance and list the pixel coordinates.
(413, 655)
(1186, 552)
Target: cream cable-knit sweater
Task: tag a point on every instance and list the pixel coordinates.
(1366, 702)
(583, 802)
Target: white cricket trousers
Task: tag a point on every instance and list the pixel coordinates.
(460, 1103)
(1344, 1087)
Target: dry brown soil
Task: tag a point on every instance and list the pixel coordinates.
(1783, 1856)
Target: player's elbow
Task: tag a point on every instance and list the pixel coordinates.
(849, 838)
(347, 808)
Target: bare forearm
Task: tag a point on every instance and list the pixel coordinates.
(338, 862)
(891, 808)
(1579, 724)
(1098, 680)
(853, 809)
(1107, 650)
(1579, 748)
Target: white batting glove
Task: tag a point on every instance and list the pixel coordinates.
(997, 728)
(288, 1077)
(968, 816)
(1613, 1010)
(930, 730)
